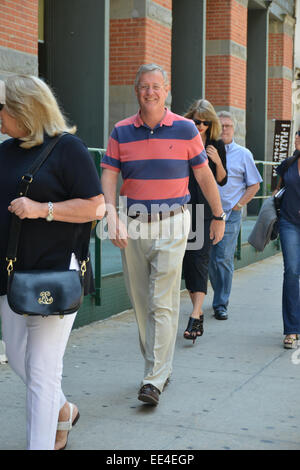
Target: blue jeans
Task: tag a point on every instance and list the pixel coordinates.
(221, 265)
(290, 244)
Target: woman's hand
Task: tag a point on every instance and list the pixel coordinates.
(26, 208)
(213, 154)
(73, 210)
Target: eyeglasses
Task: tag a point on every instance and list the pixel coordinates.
(1, 106)
(226, 126)
(147, 87)
(298, 133)
(198, 122)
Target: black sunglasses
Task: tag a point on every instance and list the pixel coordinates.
(198, 122)
(1, 106)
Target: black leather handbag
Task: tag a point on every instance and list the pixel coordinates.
(44, 292)
(41, 292)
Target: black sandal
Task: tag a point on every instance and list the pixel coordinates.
(194, 328)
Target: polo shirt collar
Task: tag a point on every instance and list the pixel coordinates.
(167, 120)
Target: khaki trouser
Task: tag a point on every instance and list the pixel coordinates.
(152, 265)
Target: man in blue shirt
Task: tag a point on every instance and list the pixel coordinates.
(242, 185)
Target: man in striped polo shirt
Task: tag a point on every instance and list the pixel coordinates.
(153, 150)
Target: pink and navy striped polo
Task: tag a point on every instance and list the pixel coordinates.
(155, 163)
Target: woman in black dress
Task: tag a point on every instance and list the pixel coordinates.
(195, 262)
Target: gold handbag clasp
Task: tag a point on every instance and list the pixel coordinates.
(10, 265)
(83, 266)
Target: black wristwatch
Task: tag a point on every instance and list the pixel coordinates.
(222, 217)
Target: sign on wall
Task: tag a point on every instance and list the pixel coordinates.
(281, 146)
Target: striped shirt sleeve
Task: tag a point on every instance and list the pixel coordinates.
(197, 153)
(111, 159)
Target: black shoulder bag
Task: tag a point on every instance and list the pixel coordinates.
(41, 292)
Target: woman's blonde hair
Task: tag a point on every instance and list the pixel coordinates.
(32, 103)
(205, 110)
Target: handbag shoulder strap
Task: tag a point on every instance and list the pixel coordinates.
(27, 178)
(287, 166)
(291, 161)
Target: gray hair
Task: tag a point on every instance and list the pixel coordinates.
(145, 68)
(227, 114)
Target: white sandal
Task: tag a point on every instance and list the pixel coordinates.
(68, 425)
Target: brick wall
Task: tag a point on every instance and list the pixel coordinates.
(19, 25)
(158, 45)
(280, 86)
(127, 46)
(280, 50)
(226, 59)
(134, 41)
(225, 83)
(164, 3)
(225, 72)
(137, 36)
(226, 19)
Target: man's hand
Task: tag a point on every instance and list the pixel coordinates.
(116, 228)
(217, 229)
(26, 208)
(117, 231)
(247, 196)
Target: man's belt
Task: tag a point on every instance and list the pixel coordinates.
(155, 217)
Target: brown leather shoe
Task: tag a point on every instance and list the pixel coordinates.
(149, 394)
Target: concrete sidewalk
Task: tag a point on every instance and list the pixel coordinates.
(236, 388)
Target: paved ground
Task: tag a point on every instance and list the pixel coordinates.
(236, 388)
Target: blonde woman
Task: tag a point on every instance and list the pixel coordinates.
(195, 262)
(67, 188)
